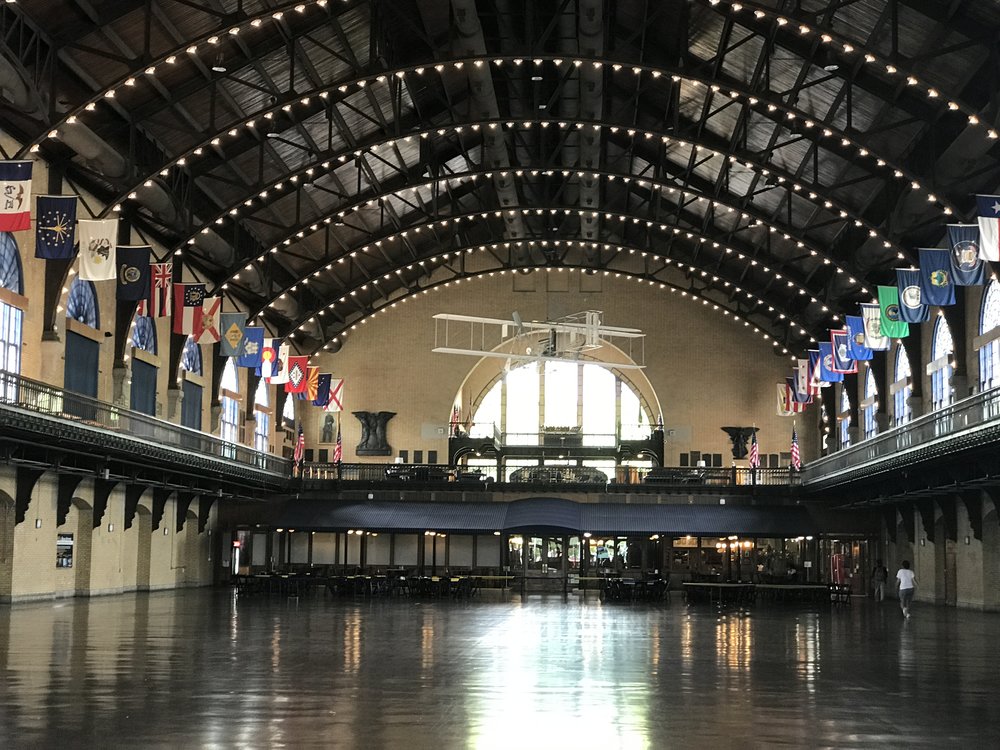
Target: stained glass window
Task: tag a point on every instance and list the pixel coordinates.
(82, 303)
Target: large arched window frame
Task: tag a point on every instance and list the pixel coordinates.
(902, 412)
(869, 406)
(11, 314)
(191, 357)
(81, 304)
(262, 415)
(144, 334)
(288, 413)
(229, 399)
(844, 419)
(989, 353)
(942, 346)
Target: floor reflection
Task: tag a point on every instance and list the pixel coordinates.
(203, 668)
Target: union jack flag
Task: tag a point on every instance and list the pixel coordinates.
(160, 291)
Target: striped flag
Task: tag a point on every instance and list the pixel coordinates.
(15, 196)
(300, 448)
(796, 457)
(338, 451)
(161, 276)
(754, 450)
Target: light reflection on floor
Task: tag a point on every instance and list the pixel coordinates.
(204, 669)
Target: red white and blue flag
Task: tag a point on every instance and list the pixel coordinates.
(188, 305)
(754, 450)
(300, 447)
(796, 457)
(988, 209)
(161, 276)
(338, 451)
(15, 196)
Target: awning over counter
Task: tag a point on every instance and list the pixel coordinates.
(549, 515)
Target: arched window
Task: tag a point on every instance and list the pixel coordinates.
(902, 413)
(11, 317)
(845, 418)
(229, 423)
(870, 404)
(82, 303)
(561, 403)
(191, 357)
(144, 334)
(11, 276)
(262, 412)
(288, 413)
(989, 354)
(941, 349)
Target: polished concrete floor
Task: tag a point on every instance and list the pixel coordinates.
(204, 669)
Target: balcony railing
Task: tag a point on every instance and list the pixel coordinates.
(60, 409)
(971, 419)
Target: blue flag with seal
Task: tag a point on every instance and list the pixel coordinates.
(911, 304)
(251, 347)
(231, 325)
(936, 284)
(826, 371)
(967, 268)
(815, 376)
(858, 350)
(133, 272)
(55, 227)
(840, 345)
(323, 389)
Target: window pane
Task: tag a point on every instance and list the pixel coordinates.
(522, 404)
(561, 388)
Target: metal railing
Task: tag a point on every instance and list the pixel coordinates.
(950, 425)
(72, 409)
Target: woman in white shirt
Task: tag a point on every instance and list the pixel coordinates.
(906, 581)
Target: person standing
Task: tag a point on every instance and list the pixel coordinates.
(906, 582)
(880, 574)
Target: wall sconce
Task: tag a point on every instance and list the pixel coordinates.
(111, 527)
(165, 531)
(38, 523)
(967, 540)
(922, 542)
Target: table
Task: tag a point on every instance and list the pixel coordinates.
(810, 592)
(723, 593)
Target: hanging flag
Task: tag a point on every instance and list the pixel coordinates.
(280, 365)
(803, 383)
(456, 420)
(300, 448)
(207, 325)
(338, 450)
(269, 365)
(857, 350)
(912, 308)
(967, 268)
(815, 371)
(98, 238)
(336, 402)
(133, 272)
(297, 371)
(312, 383)
(188, 302)
(231, 326)
(826, 372)
(15, 196)
(891, 321)
(988, 208)
(322, 390)
(754, 450)
(251, 348)
(796, 458)
(874, 339)
(785, 403)
(161, 276)
(797, 396)
(55, 227)
(936, 284)
(840, 346)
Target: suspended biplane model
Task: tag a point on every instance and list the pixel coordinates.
(574, 337)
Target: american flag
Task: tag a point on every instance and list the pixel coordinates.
(300, 448)
(754, 451)
(338, 450)
(796, 458)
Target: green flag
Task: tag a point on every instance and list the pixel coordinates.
(892, 324)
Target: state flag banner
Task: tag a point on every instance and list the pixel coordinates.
(842, 362)
(815, 371)
(937, 287)
(188, 301)
(803, 382)
(98, 240)
(890, 318)
(297, 371)
(799, 397)
(133, 272)
(161, 276)
(269, 364)
(322, 389)
(912, 308)
(312, 383)
(988, 210)
(786, 404)
(15, 196)
(280, 365)
(857, 349)
(231, 325)
(967, 268)
(55, 227)
(874, 338)
(336, 402)
(207, 324)
(251, 347)
(826, 371)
